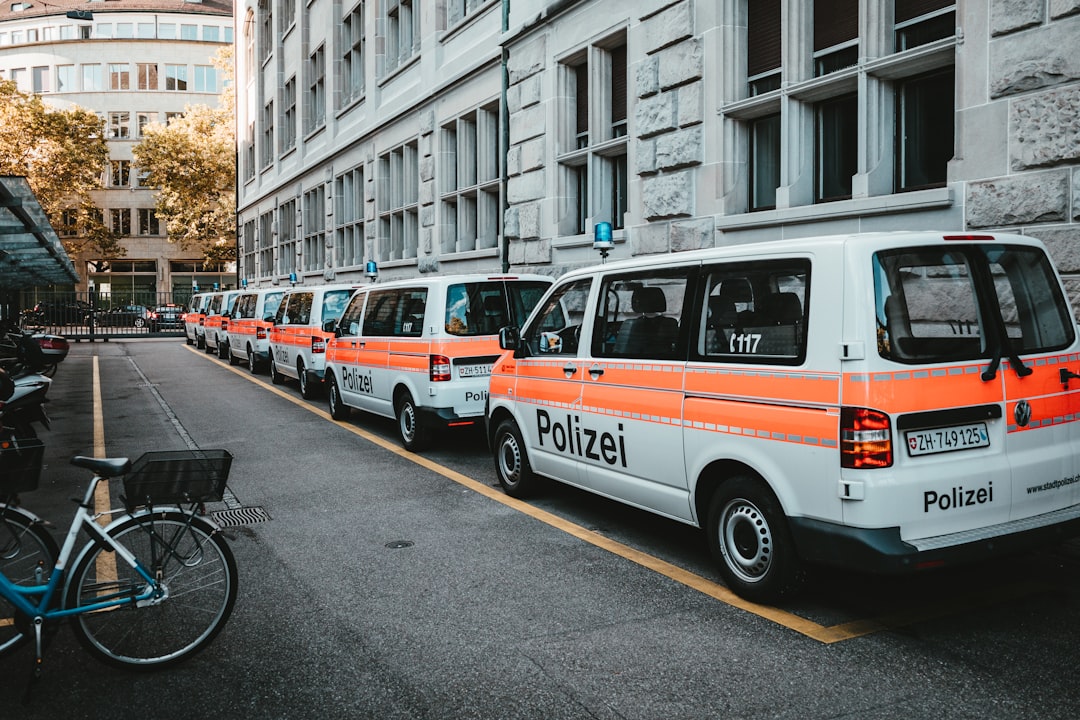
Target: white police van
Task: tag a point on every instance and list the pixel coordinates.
(886, 402)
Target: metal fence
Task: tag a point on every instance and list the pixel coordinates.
(100, 316)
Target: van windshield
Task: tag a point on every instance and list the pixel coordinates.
(483, 308)
(967, 302)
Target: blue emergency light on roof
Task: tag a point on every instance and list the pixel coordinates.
(243, 282)
(602, 236)
(292, 277)
(216, 287)
(371, 269)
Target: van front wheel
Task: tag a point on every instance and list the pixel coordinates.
(749, 539)
(414, 436)
(338, 409)
(511, 462)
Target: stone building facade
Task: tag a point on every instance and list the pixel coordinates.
(457, 135)
(132, 62)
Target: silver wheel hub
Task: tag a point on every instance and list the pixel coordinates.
(746, 540)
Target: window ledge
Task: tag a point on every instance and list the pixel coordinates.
(878, 205)
(566, 242)
(390, 75)
(466, 21)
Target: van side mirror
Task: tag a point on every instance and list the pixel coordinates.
(510, 339)
(330, 326)
(269, 319)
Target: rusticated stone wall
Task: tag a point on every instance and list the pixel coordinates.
(1034, 68)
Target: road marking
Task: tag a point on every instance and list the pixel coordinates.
(105, 564)
(827, 634)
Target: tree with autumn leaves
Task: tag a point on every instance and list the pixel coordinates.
(191, 162)
(62, 153)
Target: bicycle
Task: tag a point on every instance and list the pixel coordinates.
(150, 589)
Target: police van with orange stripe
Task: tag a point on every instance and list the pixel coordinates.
(194, 318)
(299, 334)
(249, 324)
(421, 350)
(884, 402)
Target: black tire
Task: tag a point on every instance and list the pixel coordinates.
(338, 409)
(512, 465)
(749, 539)
(275, 377)
(223, 352)
(307, 389)
(187, 340)
(252, 363)
(200, 342)
(191, 559)
(414, 436)
(27, 555)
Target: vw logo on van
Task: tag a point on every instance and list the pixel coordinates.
(1022, 413)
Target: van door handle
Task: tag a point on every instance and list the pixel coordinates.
(569, 369)
(596, 371)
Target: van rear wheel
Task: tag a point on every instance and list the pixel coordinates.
(750, 540)
(307, 391)
(414, 436)
(275, 377)
(512, 462)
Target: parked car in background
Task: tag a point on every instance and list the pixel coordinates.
(124, 316)
(167, 317)
(49, 312)
(194, 318)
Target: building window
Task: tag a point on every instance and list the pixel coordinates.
(120, 125)
(247, 248)
(924, 120)
(836, 147)
(287, 237)
(314, 248)
(65, 78)
(763, 46)
(148, 222)
(189, 32)
(39, 79)
(593, 169)
(266, 29)
(764, 162)
(351, 82)
(19, 76)
(91, 78)
(267, 149)
(401, 23)
(145, 30)
(147, 76)
(469, 182)
(211, 33)
(176, 77)
(836, 35)
(69, 223)
(142, 119)
(918, 22)
(166, 31)
(316, 90)
(119, 173)
(398, 208)
(125, 30)
(265, 256)
(288, 125)
(287, 10)
(206, 79)
(248, 149)
(249, 41)
(119, 76)
(121, 221)
(349, 215)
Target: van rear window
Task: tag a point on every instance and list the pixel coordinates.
(483, 308)
(966, 302)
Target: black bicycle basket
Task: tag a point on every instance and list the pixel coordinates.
(171, 477)
(20, 465)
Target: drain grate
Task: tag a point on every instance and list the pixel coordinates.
(238, 517)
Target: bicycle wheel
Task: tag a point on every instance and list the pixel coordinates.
(27, 556)
(197, 574)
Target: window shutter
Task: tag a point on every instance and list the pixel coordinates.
(763, 36)
(910, 9)
(618, 85)
(835, 22)
(581, 73)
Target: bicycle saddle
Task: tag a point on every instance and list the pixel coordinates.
(103, 467)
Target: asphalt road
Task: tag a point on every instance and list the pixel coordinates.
(388, 585)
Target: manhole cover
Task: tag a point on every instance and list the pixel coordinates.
(399, 544)
(237, 517)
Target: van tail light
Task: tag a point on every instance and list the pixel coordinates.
(260, 333)
(865, 439)
(202, 320)
(318, 344)
(440, 368)
(224, 324)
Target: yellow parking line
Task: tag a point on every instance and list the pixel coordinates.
(826, 634)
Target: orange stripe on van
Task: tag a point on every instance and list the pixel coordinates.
(915, 390)
(808, 426)
(773, 384)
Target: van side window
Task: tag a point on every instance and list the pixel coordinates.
(282, 311)
(349, 324)
(396, 313)
(640, 316)
(556, 327)
(300, 311)
(270, 304)
(754, 312)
